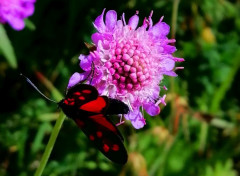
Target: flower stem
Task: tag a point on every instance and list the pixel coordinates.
(172, 82)
(57, 96)
(50, 144)
(174, 18)
(203, 136)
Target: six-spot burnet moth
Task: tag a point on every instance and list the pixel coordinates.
(91, 112)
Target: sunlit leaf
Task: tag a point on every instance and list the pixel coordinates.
(6, 48)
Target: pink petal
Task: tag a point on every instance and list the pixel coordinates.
(86, 62)
(99, 23)
(159, 30)
(97, 36)
(132, 115)
(138, 124)
(28, 9)
(155, 93)
(136, 118)
(77, 78)
(111, 19)
(150, 20)
(133, 22)
(167, 64)
(170, 73)
(97, 77)
(151, 109)
(169, 49)
(16, 23)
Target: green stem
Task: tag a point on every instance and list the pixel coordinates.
(174, 18)
(50, 144)
(57, 96)
(172, 82)
(203, 136)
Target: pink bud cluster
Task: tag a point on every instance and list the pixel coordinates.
(129, 66)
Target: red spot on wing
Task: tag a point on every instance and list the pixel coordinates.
(115, 147)
(99, 134)
(105, 147)
(95, 105)
(86, 91)
(66, 102)
(71, 103)
(70, 99)
(101, 120)
(91, 137)
(77, 93)
(81, 98)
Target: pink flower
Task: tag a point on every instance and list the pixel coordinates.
(130, 62)
(14, 12)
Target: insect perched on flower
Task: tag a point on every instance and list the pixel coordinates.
(15, 11)
(91, 112)
(130, 62)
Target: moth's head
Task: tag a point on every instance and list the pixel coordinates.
(60, 104)
(66, 108)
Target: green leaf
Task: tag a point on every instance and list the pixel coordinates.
(6, 48)
(29, 24)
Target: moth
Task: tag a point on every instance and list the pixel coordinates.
(91, 113)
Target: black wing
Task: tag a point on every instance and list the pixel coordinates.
(105, 136)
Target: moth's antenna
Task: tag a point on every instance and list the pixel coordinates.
(31, 83)
(92, 72)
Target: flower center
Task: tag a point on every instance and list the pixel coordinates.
(129, 65)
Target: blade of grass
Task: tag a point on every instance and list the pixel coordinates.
(6, 48)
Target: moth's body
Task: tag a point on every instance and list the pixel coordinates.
(90, 112)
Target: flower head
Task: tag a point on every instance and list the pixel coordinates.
(14, 12)
(130, 62)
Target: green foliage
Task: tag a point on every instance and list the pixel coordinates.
(196, 134)
(221, 169)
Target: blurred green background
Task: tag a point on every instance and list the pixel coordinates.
(196, 134)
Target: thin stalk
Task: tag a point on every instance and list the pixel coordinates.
(174, 18)
(203, 136)
(50, 144)
(172, 82)
(57, 96)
